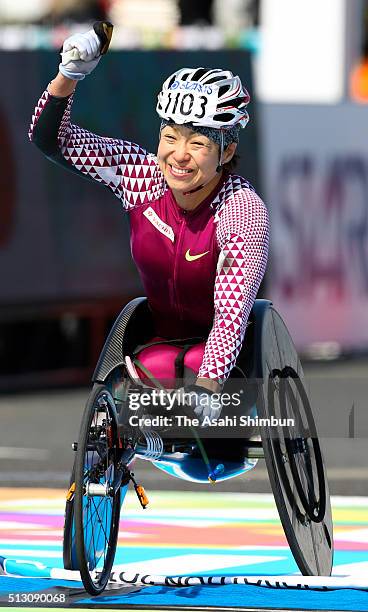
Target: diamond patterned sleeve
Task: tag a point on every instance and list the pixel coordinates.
(242, 235)
(125, 168)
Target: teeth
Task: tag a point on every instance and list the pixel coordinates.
(180, 170)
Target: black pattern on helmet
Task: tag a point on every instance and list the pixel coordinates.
(213, 98)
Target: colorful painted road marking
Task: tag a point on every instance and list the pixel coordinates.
(184, 532)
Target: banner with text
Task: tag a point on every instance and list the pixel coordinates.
(315, 165)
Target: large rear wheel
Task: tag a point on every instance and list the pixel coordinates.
(292, 451)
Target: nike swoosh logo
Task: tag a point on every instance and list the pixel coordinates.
(190, 257)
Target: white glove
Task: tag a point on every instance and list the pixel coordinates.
(203, 402)
(87, 53)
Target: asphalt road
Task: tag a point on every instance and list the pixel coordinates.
(37, 429)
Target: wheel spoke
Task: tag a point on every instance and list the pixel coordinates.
(100, 521)
(92, 540)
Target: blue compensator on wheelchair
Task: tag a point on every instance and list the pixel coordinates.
(268, 376)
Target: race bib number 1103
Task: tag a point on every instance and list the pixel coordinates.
(188, 105)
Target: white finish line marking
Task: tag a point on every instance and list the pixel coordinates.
(183, 564)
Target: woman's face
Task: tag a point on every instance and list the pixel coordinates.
(186, 158)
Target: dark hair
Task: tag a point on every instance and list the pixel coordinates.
(231, 165)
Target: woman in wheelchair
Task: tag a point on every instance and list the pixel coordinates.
(199, 238)
(199, 232)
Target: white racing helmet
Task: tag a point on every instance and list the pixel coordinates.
(213, 98)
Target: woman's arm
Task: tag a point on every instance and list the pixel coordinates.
(211, 384)
(115, 163)
(61, 86)
(242, 234)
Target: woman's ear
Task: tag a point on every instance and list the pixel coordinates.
(229, 152)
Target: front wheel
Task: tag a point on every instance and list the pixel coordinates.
(97, 490)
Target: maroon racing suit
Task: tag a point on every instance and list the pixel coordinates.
(201, 269)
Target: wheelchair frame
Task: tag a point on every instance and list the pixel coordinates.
(293, 459)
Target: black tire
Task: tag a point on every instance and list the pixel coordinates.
(97, 517)
(293, 455)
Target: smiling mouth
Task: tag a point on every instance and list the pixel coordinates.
(179, 171)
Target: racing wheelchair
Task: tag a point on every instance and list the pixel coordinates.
(270, 375)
